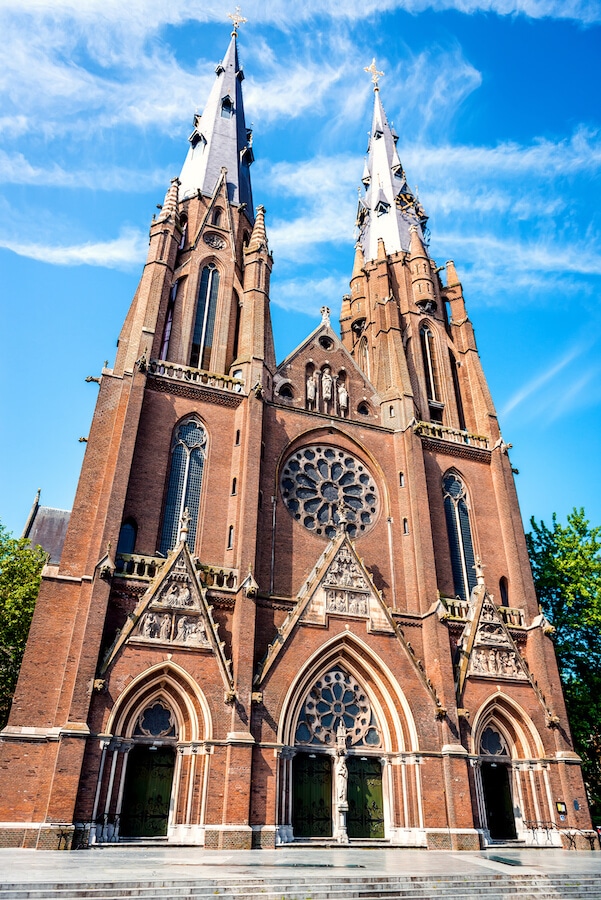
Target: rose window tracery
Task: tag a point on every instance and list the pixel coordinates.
(337, 699)
(155, 721)
(321, 483)
(492, 744)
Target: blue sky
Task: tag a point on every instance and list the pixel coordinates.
(496, 103)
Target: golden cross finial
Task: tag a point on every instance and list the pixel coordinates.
(237, 19)
(375, 75)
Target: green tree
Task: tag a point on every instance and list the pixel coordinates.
(566, 564)
(20, 575)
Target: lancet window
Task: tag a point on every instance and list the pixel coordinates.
(430, 364)
(337, 699)
(204, 323)
(460, 535)
(185, 482)
(168, 322)
(127, 537)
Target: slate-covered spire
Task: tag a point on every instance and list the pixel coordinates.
(221, 139)
(388, 208)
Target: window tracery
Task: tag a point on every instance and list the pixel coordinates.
(155, 721)
(318, 483)
(185, 482)
(492, 743)
(460, 535)
(337, 699)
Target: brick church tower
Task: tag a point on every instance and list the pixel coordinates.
(294, 601)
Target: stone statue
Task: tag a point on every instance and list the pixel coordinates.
(341, 780)
(342, 399)
(311, 390)
(326, 385)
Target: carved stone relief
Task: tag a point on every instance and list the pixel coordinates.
(493, 653)
(162, 621)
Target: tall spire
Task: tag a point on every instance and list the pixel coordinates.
(221, 138)
(388, 208)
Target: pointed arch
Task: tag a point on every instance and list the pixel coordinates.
(188, 455)
(170, 684)
(387, 700)
(459, 529)
(431, 361)
(511, 720)
(204, 320)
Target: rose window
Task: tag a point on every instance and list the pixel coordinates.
(319, 484)
(337, 699)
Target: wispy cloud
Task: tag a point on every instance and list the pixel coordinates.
(539, 381)
(124, 252)
(16, 169)
(308, 295)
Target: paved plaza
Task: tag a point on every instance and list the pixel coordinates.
(162, 863)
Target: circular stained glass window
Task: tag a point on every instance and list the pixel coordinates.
(320, 483)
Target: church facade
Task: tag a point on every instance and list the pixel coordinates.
(294, 601)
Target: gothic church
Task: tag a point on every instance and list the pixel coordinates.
(294, 602)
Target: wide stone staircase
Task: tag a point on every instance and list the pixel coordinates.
(488, 886)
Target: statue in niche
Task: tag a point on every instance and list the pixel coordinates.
(342, 399)
(311, 391)
(326, 385)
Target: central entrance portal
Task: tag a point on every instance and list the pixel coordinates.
(365, 817)
(148, 784)
(312, 795)
(498, 802)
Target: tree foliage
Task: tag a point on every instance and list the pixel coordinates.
(20, 575)
(566, 564)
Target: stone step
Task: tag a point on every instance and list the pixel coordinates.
(490, 886)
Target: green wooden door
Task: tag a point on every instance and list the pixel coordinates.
(365, 817)
(148, 783)
(312, 795)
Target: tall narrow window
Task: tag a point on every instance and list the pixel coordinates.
(127, 537)
(217, 216)
(204, 323)
(430, 366)
(185, 482)
(457, 389)
(363, 356)
(168, 321)
(460, 535)
(237, 311)
(227, 108)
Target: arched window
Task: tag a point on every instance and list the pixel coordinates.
(204, 323)
(217, 216)
(363, 356)
(185, 482)
(168, 321)
(504, 591)
(430, 364)
(460, 535)
(457, 390)
(127, 537)
(227, 108)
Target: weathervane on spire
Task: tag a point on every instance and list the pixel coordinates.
(375, 75)
(237, 19)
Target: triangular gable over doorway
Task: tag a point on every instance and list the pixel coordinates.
(486, 648)
(340, 585)
(174, 613)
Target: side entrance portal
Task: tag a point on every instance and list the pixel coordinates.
(497, 801)
(365, 817)
(148, 786)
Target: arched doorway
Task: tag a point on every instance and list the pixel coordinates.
(147, 793)
(336, 777)
(149, 774)
(496, 785)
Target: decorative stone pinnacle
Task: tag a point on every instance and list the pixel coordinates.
(325, 315)
(184, 525)
(237, 20)
(479, 570)
(375, 75)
